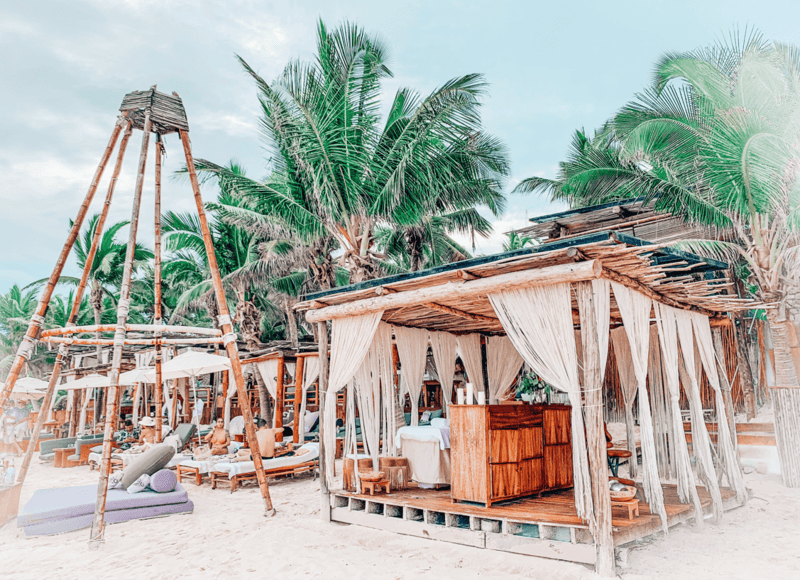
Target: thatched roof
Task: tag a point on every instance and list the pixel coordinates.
(167, 114)
(676, 278)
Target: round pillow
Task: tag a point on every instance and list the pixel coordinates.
(163, 481)
(147, 463)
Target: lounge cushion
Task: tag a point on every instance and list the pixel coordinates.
(149, 462)
(163, 481)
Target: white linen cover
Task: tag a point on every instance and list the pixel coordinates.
(241, 467)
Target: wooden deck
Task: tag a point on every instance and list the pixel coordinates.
(546, 526)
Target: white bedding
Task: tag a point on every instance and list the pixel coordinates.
(242, 467)
(441, 435)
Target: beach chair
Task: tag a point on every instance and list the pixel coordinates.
(47, 449)
(234, 474)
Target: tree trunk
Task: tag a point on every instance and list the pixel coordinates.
(96, 299)
(414, 241)
(745, 370)
(291, 323)
(786, 400)
(265, 410)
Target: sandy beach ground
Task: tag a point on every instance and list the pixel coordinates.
(227, 538)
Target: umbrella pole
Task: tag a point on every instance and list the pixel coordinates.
(225, 323)
(98, 525)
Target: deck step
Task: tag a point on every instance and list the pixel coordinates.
(740, 427)
(763, 439)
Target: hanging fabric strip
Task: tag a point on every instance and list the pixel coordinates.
(701, 441)
(412, 347)
(727, 450)
(668, 333)
(469, 349)
(445, 346)
(538, 321)
(269, 372)
(635, 311)
(502, 367)
(310, 374)
(350, 340)
(367, 382)
(659, 406)
(627, 382)
(382, 343)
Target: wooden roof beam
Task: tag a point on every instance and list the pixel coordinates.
(569, 272)
(461, 313)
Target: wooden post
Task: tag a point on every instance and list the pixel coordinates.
(298, 397)
(280, 393)
(35, 324)
(157, 282)
(595, 434)
(173, 420)
(763, 389)
(725, 383)
(322, 337)
(229, 337)
(112, 408)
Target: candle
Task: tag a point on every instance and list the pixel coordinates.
(470, 393)
(460, 396)
(481, 398)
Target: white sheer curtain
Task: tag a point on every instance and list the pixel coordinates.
(445, 346)
(469, 349)
(634, 308)
(87, 398)
(627, 382)
(538, 322)
(727, 451)
(350, 340)
(367, 382)
(668, 333)
(382, 343)
(412, 348)
(310, 374)
(269, 372)
(502, 366)
(701, 441)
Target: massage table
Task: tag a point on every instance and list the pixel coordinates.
(428, 452)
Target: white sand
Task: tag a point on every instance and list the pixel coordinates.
(226, 537)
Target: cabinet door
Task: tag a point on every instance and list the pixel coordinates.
(503, 446)
(556, 424)
(505, 480)
(558, 466)
(530, 443)
(531, 475)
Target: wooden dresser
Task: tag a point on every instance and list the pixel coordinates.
(501, 452)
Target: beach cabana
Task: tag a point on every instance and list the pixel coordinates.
(542, 474)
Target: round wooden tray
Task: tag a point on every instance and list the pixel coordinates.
(625, 495)
(371, 475)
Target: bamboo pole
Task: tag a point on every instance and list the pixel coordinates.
(37, 319)
(322, 340)
(595, 434)
(569, 272)
(229, 337)
(112, 397)
(298, 396)
(157, 282)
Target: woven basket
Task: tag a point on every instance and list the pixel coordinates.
(371, 475)
(624, 495)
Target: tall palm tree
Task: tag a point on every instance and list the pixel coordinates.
(338, 173)
(715, 139)
(16, 309)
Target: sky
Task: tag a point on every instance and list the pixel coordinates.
(553, 68)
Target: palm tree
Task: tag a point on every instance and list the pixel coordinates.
(516, 241)
(16, 309)
(338, 173)
(715, 139)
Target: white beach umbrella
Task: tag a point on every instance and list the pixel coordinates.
(93, 381)
(138, 375)
(191, 364)
(27, 389)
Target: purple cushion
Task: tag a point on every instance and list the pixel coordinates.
(149, 462)
(163, 481)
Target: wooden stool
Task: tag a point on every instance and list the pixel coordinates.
(614, 457)
(632, 505)
(397, 471)
(348, 472)
(61, 454)
(185, 471)
(373, 485)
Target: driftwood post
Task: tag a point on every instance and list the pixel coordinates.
(157, 283)
(595, 435)
(280, 393)
(35, 324)
(123, 306)
(228, 337)
(322, 338)
(298, 398)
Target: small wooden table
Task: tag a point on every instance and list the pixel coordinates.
(372, 485)
(61, 455)
(184, 471)
(632, 505)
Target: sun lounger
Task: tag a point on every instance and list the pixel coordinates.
(47, 448)
(238, 472)
(60, 510)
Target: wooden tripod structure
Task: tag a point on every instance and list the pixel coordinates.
(151, 112)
